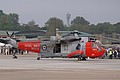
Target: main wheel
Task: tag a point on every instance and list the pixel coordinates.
(84, 58)
(79, 58)
(38, 58)
(14, 57)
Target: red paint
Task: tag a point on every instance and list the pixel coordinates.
(33, 46)
(79, 52)
(94, 50)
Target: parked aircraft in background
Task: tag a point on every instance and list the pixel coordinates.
(60, 46)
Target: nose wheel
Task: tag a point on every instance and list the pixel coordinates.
(81, 58)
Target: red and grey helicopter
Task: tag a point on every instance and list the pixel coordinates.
(67, 46)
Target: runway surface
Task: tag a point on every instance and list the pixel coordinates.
(26, 67)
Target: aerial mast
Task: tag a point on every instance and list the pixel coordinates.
(68, 19)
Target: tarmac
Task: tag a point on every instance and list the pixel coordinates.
(26, 67)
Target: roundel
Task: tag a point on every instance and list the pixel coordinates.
(44, 47)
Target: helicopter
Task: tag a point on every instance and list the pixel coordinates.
(59, 46)
(65, 46)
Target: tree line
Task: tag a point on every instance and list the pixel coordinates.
(11, 22)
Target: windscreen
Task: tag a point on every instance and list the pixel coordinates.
(96, 46)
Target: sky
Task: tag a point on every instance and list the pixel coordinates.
(95, 11)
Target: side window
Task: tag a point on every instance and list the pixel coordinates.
(97, 46)
(65, 47)
(94, 45)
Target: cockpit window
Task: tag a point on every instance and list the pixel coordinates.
(96, 46)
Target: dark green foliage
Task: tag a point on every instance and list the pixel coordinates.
(117, 27)
(55, 22)
(29, 26)
(11, 22)
(52, 24)
(80, 24)
(80, 21)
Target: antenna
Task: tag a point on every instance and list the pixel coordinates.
(68, 19)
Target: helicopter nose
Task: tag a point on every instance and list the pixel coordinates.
(103, 51)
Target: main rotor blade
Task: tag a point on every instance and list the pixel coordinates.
(7, 33)
(12, 34)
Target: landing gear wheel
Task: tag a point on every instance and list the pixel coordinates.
(38, 58)
(14, 57)
(84, 59)
(79, 58)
